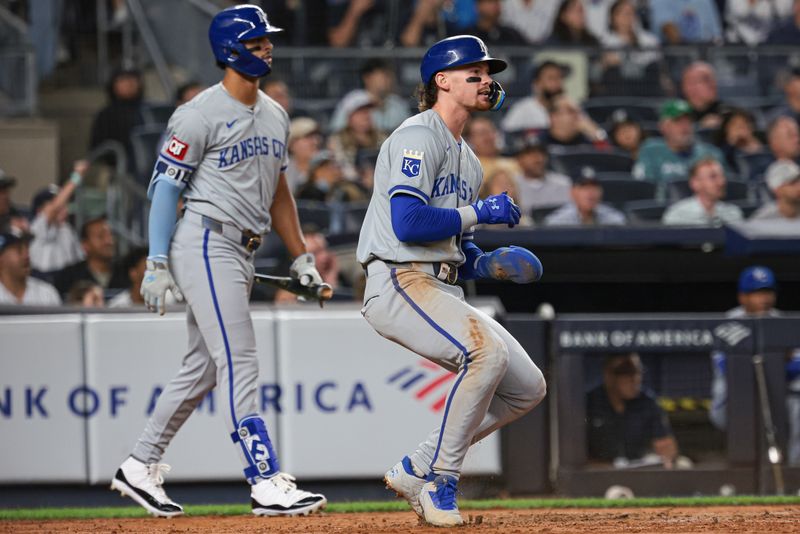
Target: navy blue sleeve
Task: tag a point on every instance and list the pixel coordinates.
(413, 221)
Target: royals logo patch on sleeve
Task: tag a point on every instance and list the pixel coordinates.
(177, 148)
(412, 161)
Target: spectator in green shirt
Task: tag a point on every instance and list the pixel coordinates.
(669, 157)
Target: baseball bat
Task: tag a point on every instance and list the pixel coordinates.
(773, 451)
(318, 292)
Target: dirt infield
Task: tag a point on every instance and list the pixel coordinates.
(755, 519)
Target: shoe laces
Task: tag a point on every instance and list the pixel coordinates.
(284, 482)
(155, 478)
(446, 491)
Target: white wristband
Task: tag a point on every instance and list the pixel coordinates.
(469, 217)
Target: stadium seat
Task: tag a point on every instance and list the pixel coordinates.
(144, 140)
(316, 213)
(644, 211)
(538, 214)
(601, 109)
(570, 162)
(619, 192)
(347, 218)
(614, 175)
(748, 207)
(753, 166)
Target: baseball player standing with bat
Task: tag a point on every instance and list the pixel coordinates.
(226, 153)
(415, 242)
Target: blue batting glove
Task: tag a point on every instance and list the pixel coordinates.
(497, 209)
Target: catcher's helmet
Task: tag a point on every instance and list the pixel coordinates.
(232, 26)
(456, 51)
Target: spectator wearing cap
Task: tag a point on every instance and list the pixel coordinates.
(55, 244)
(305, 140)
(626, 134)
(484, 139)
(569, 26)
(685, 21)
(736, 137)
(750, 21)
(699, 88)
(538, 186)
(359, 132)
(378, 81)
(530, 113)
(122, 113)
(669, 158)
(632, 67)
(624, 422)
(490, 28)
(16, 284)
(570, 126)
(757, 294)
(783, 179)
(787, 33)
(783, 138)
(705, 207)
(534, 20)
(586, 207)
(97, 242)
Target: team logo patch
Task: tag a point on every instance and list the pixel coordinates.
(177, 148)
(412, 161)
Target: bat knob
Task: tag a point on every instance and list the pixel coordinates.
(306, 279)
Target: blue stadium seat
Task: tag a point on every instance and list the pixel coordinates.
(619, 192)
(601, 109)
(644, 211)
(315, 213)
(570, 161)
(753, 166)
(735, 190)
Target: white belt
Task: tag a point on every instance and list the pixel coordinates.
(446, 272)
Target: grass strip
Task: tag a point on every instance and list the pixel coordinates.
(41, 514)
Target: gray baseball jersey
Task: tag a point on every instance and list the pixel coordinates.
(227, 155)
(421, 158)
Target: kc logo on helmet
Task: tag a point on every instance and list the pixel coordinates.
(177, 148)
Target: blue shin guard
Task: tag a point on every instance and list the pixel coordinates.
(257, 449)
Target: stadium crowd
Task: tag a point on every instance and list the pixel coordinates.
(667, 148)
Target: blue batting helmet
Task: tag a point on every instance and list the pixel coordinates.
(454, 52)
(232, 26)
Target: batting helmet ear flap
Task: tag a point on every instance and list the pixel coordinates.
(232, 26)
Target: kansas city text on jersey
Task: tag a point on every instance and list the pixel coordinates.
(247, 148)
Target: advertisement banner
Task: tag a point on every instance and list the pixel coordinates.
(130, 358)
(353, 403)
(41, 426)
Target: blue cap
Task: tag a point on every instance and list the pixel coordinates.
(756, 278)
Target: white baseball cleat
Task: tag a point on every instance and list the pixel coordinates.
(438, 501)
(142, 483)
(279, 496)
(404, 481)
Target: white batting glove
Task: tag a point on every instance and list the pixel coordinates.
(157, 279)
(304, 268)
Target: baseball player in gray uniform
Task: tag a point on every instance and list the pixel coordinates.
(415, 242)
(225, 151)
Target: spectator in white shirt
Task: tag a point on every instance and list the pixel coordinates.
(538, 186)
(16, 284)
(705, 207)
(530, 113)
(532, 18)
(55, 244)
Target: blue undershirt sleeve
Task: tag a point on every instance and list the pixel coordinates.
(413, 221)
(162, 217)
